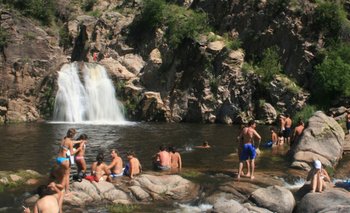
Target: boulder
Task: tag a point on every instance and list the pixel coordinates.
(267, 113)
(153, 107)
(334, 200)
(165, 187)
(274, 198)
(216, 46)
(134, 63)
(116, 70)
(323, 139)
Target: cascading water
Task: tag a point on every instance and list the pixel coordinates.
(94, 101)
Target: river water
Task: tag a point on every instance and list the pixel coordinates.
(35, 146)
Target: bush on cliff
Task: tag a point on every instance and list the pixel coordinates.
(177, 22)
(332, 76)
(43, 10)
(270, 64)
(329, 18)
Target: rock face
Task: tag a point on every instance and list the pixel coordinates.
(29, 58)
(199, 81)
(323, 139)
(274, 198)
(334, 200)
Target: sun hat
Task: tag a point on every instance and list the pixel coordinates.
(317, 164)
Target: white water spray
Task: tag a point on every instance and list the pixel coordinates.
(93, 102)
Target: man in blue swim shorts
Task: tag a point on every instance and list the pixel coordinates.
(248, 152)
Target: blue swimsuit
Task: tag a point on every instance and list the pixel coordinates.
(248, 152)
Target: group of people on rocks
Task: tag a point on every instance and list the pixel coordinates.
(249, 142)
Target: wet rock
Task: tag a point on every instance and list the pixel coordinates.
(323, 139)
(333, 200)
(274, 198)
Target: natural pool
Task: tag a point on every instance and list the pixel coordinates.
(34, 146)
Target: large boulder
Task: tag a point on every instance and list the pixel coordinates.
(334, 200)
(165, 187)
(274, 198)
(323, 139)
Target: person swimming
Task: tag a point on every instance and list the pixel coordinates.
(205, 145)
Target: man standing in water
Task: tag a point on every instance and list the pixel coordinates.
(249, 152)
(288, 129)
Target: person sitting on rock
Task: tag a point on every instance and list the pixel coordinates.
(116, 165)
(318, 176)
(133, 167)
(175, 159)
(50, 199)
(162, 159)
(99, 170)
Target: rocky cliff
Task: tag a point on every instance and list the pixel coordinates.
(202, 80)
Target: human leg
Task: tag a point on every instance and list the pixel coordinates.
(253, 168)
(240, 168)
(248, 168)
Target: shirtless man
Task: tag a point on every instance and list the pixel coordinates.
(116, 165)
(175, 158)
(288, 129)
(134, 165)
(298, 130)
(282, 123)
(162, 159)
(249, 151)
(50, 199)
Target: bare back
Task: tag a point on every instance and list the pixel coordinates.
(134, 166)
(48, 204)
(175, 160)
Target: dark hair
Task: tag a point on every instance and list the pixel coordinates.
(205, 143)
(82, 137)
(43, 190)
(172, 149)
(100, 158)
(116, 151)
(162, 147)
(272, 128)
(71, 132)
(251, 122)
(130, 153)
(287, 115)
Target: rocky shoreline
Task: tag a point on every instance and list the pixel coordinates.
(267, 193)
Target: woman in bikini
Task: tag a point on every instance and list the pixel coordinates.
(79, 155)
(99, 170)
(63, 159)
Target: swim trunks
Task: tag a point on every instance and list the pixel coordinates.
(286, 132)
(248, 152)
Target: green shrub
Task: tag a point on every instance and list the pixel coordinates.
(88, 5)
(65, 38)
(178, 22)
(305, 113)
(270, 64)
(329, 18)
(183, 23)
(43, 10)
(332, 75)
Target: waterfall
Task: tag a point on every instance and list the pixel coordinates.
(91, 102)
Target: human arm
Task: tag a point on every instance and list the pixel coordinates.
(257, 136)
(131, 169)
(180, 162)
(113, 164)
